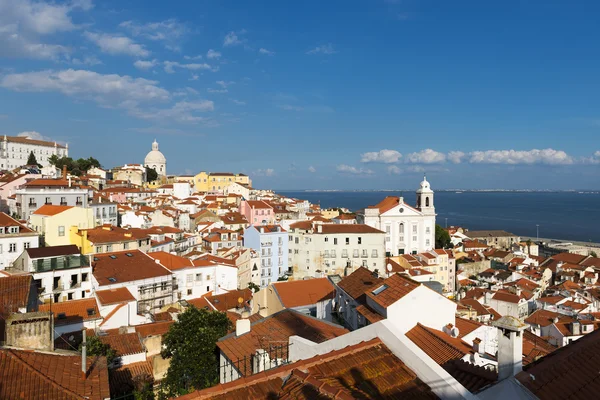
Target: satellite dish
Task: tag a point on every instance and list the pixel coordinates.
(389, 267)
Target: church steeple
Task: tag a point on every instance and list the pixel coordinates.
(155, 145)
(425, 197)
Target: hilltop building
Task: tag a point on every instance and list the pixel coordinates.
(14, 151)
(156, 160)
(408, 230)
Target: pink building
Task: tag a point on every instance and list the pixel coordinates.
(257, 212)
(10, 183)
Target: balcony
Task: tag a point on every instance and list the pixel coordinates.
(58, 263)
(266, 244)
(63, 203)
(31, 205)
(79, 203)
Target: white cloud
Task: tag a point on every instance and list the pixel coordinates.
(170, 66)
(169, 30)
(87, 60)
(238, 102)
(232, 39)
(145, 64)
(159, 130)
(224, 84)
(383, 156)
(323, 49)
(212, 54)
(266, 52)
(24, 23)
(211, 90)
(117, 44)
(35, 136)
(183, 111)
(198, 57)
(535, 156)
(456, 157)
(347, 169)
(265, 172)
(427, 156)
(312, 169)
(393, 169)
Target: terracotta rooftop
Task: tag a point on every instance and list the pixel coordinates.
(331, 229)
(14, 294)
(33, 375)
(229, 300)
(122, 343)
(506, 297)
(112, 234)
(114, 296)
(73, 311)
(535, 347)
(569, 372)
(542, 317)
(358, 282)
(272, 334)
(392, 289)
(388, 203)
(6, 221)
(125, 266)
(368, 370)
(475, 305)
(122, 379)
(53, 251)
(441, 347)
(304, 292)
(370, 315)
(154, 329)
(171, 261)
(466, 326)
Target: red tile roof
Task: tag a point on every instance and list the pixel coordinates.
(358, 282)
(53, 251)
(441, 347)
(567, 373)
(154, 329)
(124, 268)
(331, 229)
(122, 343)
(275, 330)
(388, 203)
(73, 311)
(542, 317)
(370, 315)
(367, 370)
(304, 292)
(466, 326)
(33, 375)
(14, 293)
(113, 296)
(392, 289)
(123, 378)
(506, 297)
(113, 234)
(229, 300)
(50, 210)
(6, 221)
(171, 261)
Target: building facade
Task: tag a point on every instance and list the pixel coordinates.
(14, 239)
(218, 181)
(15, 150)
(156, 160)
(271, 242)
(58, 192)
(408, 230)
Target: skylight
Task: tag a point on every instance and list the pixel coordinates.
(379, 289)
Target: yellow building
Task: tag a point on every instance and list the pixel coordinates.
(330, 213)
(107, 239)
(55, 222)
(218, 181)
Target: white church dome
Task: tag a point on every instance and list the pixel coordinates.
(425, 186)
(155, 156)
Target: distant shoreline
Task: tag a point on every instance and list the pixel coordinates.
(439, 190)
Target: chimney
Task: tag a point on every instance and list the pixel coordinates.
(242, 326)
(477, 346)
(64, 172)
(83, 356)
(448, 329)
(510, 346)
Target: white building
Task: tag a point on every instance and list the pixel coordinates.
(14, 239)
(318, 250)
(15, 150)
(156, 160)
(408, 229)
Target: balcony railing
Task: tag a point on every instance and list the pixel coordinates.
(57, 263)
(32, 204)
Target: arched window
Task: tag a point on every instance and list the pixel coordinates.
(401, 228)
(426, 201)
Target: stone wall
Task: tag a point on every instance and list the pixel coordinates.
(30, 331)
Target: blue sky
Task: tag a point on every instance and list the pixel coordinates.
(314, 94)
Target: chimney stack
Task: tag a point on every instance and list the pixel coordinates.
(510, 346)
(64, 172)
(84, 356)
(242, 326)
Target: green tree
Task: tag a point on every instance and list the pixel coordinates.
(31, 160)
(254, 287)
(95, 347)
(442, 238)
(151, 174)
(594, 254)
(190, 345)
(143, 386)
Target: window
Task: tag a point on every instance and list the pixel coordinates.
(428, 230)
(189, 292)
(401, 228)
(414, 229)
(334, 240)
(355, 253)
(374, 253)
(414, 238)
(109, 247)
(189, 278)
(26, 245)
(98, 249)
(387, 229)
(198, 277)
(427, 242)
(326, 239)
(387, 239)
(347, 240)
(12, 247)
(208, 277)
(365, 253)
(163, 286)
(359, 240)
(332, 253)
(364, 263)
(126, 246)
(326, 254)
(344, 253)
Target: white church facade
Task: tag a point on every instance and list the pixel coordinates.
(408, 229)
